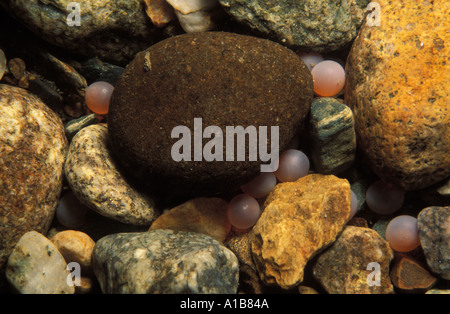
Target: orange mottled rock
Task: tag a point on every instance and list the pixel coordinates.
(299, 220)
(75, 246)
(397, 87)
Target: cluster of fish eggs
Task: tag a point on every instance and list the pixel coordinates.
(244, 209)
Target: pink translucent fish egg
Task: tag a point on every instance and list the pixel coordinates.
(310, 58)
(98, 96)
(70, 212)
(293, 165)
(402, 233)
(353, 205)
(329, 78)
(243, 211)
(384, 198)
(260, 186)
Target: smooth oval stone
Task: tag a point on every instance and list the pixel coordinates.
(164, 262)
(397, 87)
(226, 80)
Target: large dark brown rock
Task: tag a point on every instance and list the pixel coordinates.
(225, 79)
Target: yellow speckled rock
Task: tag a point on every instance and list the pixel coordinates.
(299, 220)
(397, 86)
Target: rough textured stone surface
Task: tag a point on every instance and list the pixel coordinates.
(434, 234)
(164, 261)
(111, 30)
(241, 245)
(320, 26)
(206, 215)
(397, 87)
(409, 276)
(97, 180)
(333, 139)
(299, 220)
(159, 12)
(75, 246)
(36, 267)
(342, 269)
(33, 147)
(227, 80)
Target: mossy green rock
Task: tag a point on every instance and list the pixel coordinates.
(321, 26)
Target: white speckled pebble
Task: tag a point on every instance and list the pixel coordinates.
(164, 261)
(36, 267)
(95, 178)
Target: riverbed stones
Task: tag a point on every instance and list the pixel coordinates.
(397, 87)
(357, 263)
(311, 25)
(33, 148)
(224, 79)
(35, 266)
(433, 224)
(112, 30)
(164, 261)
(300, 219)
(97, 180)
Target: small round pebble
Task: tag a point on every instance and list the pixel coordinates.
(329, 78)
(402, 233)
(260, 186)
(70, 212)
(243, 211)
(384, 198)
(75, 246)
(293, 165)
(98, 96)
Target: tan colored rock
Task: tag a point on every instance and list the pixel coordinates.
(75, 246)
(205, 215)
(345, 268)
(159, 12)
(409, 276)
(306, 290)
(397, 87)
(299, 220)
